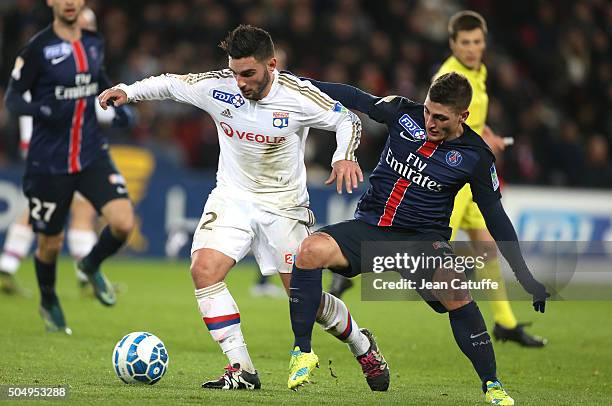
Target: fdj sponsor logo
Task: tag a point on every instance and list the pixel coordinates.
(236, 99)
(57, 51)
(250, 136)
(280, 119)
(453, 158)
(412, 127)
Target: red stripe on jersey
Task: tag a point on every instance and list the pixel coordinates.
(428, 148)
(394, 200)
(80, 57)
(76, 132)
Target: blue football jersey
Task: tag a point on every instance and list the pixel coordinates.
(67, 76)
(415, 182)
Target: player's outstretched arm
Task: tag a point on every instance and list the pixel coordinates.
(182, 88)
(350, 96)
(502, 230)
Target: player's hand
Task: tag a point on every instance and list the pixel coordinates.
(347, 173)
(112, 97)
(539, 293)
(494, 141)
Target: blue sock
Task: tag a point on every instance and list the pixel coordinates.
(45, 273)
(474, 341)
(304, 299)
(106, 246)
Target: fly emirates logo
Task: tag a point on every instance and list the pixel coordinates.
(250, 136)
(412, 170)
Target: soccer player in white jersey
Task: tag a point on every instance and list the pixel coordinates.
(260, 201)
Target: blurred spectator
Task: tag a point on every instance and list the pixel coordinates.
(550, 69)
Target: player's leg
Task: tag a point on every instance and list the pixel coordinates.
(104, 187)
(470, 332)
(506, 326)
(275, 245)
(17, 244)
(81, 236)
(222, 238)
(49, 199)
(322, 250)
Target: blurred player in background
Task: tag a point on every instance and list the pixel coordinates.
(467, 39)
(429, 155)
(260, 201)
(81, 236)
(62, 68)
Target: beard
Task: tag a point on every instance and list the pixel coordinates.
(257, 94)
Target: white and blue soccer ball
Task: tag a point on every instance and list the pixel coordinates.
(140, 357)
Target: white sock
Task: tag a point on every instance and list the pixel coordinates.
(80, 243)
(19, 239)
(336, 320)
(220, 314)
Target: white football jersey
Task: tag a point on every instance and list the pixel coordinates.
(261, 142)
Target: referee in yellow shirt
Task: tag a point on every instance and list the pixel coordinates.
(467, 31)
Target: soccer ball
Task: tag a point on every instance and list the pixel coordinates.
(140, 358)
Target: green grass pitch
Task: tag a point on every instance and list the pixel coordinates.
(426, 365)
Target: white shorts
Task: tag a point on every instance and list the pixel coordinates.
(233, 226)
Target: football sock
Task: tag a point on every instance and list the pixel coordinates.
(222, 318)
(106, 246)
(80, 243)
(45, 273)
(19, 239)
(502, 312)
(473, 339)
(336, 320)
(304, 299)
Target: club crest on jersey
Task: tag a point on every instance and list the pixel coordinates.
(57, 51)
(453, 158)
(230, 98)
(93, 52)
(494, 178)
(280, 119)
(415, 132)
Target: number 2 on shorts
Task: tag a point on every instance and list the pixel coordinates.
(213, 217)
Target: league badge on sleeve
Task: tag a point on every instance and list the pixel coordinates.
(494, 178)
(280, 119)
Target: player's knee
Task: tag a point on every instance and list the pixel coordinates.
(312, 253)
(205, 271)
(49, 247)
(122, 225)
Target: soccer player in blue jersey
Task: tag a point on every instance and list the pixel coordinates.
(429, 155)
(62, 68)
